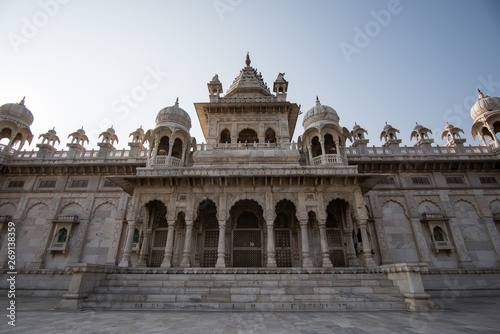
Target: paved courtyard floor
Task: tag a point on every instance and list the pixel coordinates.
(458, 315)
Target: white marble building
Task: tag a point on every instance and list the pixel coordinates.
(249, 197)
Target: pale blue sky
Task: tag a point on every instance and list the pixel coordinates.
(76, 61)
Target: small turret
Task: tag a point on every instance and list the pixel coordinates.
(214, 89)
(280, 87)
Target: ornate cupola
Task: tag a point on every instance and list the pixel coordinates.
(486, 115)
(106, 145)
(15, 121)
(324, 139)
(47, 145)
(359, 140)
(453, 139)
(421, 135)
(389, 134)
(76, 146)
(170, 141)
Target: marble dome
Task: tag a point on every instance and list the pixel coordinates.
(484, 105)
(320, 112)
(17, 112)
(173, 115)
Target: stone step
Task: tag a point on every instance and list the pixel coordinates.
(262, 283)
(241, 297)
(275, 291)
(245, 306)
(246, 290)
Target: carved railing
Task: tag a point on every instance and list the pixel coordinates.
(328, 159)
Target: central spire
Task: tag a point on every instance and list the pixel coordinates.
(247, 60)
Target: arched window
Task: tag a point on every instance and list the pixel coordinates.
(248, 136)
(62, 235)
(316, 147)
(136, 236)
(330, 144)
(270, 136)
(438, 234)
(177, 148)
(225, 136)
(163, 146)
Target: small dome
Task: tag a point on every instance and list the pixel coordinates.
(319, 113)
(17, 112)
(484, 105)
(174, 114)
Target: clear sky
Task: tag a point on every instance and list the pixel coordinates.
(100, 63)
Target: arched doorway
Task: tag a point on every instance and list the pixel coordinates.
(207, 227)
(159, 227)
(335, 221)
(285, 235)
(247, 234)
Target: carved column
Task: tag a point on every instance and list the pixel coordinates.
(352, 259)
(309, 151)
(221, 246)
(422, 247)
(271, 254)
(337, 146)
(326, 262)
(146, 242)
(464, 260)
(167, 259)
(367, 250)
(183, 155)
(126, 262)
(186, 256)
(306, 257)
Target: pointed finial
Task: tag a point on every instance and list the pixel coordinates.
(247, 60)
(481, 95)
(317, 99)
(177, 101)
(22, 101)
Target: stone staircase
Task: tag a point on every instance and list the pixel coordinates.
(246, 290)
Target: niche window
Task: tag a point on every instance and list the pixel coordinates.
(63, 227)
(438, 232)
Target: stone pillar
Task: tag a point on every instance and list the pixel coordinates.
(367, 250)
(186, 256)
(352, 260)
(167, 259)
(306, 258)
(339, 154)
(143, 255)
(183, 155)
(126, 262)
(464, 261)
(326, 262)
(309, 153)
(491, 129)
(221, 247)
(271, 254)
(322, 143)
(422, 247)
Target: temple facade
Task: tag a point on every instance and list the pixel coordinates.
(250, 197)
